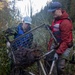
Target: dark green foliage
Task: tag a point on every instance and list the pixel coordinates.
(72, 10)
(4, 61)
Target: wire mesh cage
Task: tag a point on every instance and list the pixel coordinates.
(24, 41)
(32, 41)
(39, 36)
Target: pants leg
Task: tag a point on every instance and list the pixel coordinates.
(61, 64)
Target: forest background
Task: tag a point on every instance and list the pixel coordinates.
(10, 17)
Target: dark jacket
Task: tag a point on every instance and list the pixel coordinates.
(24, 41)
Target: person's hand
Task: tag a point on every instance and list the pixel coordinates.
(56, 46)
(56, 56)
(8, 30)
(47, 26)
(8, 44)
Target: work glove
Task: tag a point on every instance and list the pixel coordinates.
(8, 44)
(56, 46)
(56, 56)
(47, 26)
(9, 31)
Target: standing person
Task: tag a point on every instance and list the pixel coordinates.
(22, 28)
(19, 45)
(62, 30)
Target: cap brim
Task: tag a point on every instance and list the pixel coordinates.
(27, 22)
(51, 10)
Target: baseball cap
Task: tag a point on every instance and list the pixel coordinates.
(27, 19)
(54, 5)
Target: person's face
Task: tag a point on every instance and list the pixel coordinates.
(25, 26)
(57, 13)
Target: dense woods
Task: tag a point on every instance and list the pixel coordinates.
(9, 18)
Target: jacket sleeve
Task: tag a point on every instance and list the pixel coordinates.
(66, 32)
